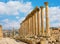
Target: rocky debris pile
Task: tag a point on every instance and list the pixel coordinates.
(10, 41)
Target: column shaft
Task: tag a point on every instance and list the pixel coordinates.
(23, 29)
(1, 33)
(34, 29)
(36, 26)
(29, 26)
(32, 25)
(42, 21)
(47, 20)
(39, 22)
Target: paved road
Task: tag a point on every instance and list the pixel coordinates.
(10, 41)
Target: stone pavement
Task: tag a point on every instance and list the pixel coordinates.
(10, 41)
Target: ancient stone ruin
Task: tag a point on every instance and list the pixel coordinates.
(32, 28)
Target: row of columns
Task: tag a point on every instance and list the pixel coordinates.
(34, 22)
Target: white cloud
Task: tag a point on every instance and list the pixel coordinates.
(5, 20)
(9, 24)
(54, 13)
(15, 7)
(54, 16)
(17, 17)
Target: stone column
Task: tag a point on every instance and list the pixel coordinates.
(35, 23)
(23, 30)
(34, 29)
(47, 20)
(20, 29)
(42, 21)
(29, 25)
(26, 27)
(38, 21)
(32, 23)
(1, 33)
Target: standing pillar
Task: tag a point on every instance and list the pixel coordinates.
(1, 33)
(23, 33)
(42, 21)
(38, 21)
(47, 20)
(26, 27)
(34, 29)
(29, 25)
(35, 23)
(32, 23)
(21, 30)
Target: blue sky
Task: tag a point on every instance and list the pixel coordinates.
(13, 12)
(37, 2)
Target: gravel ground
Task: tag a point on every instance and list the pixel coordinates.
(10, 41)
